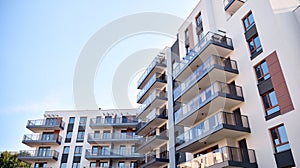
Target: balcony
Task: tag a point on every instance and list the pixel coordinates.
(158, 65)
(217, 96)
(32, 155)
(231, 6)
(219, 126)
(146, 144)
(156, 81)
(33, 140)
(45, 124)
(214, 68)
(156, 99)
(112, 154)
(108, 138)
(152, 160)
(210, 44)
(155, 118)
(224, 157)
(97, 123)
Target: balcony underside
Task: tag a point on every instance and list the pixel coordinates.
(117, 157)
(37, 129)
(219, 133)
(156, 84)
(159, 68)
(213, 104)
(217, 73)
(37, 159)
(158, 102)
(157, 162)
(233, 6)
(40, 142)
(151, 125)
(211, 49)
(109, 141)
(234, 164)
(103, 126)
(155, 142)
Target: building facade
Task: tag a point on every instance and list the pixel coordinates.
(87, 138)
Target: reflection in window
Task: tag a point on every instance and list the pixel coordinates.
(262, 71)
(270, 102)
(280, 139)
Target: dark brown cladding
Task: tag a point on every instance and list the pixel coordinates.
(282, 93)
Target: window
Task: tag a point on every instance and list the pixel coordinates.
(98, 119)
(124, 119)
(121, 164)
(106, 134)
(123, 134)
(40, 165)
(69, 136)
(71, 120)
(63, 165)
(133, 164)
(82, 121)
(254, 44)
(76, 165)
(280, 139)
(66, 150)
(186, 35)
(262, 71)
(80, 136)
(103, 164)
(133, 149)
(122, 150)
(93, 164)
(199, 20)
(97, 135)
(270, 102)
(248, 21)
(108, 119)
(78, 151)
(105, 150)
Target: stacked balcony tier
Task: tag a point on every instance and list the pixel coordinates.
(210, 44)
(154, 160)
(112, 154)
(217, 127)
(45, 124)
(107, 138)
(33, 140)
(148, 143)
(224, 157)
(217, 96)
(100, 123)
(38, 155)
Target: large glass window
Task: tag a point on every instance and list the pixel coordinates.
(66, 150)
(270, 102)
(108, 119)
(80, 136)
(104, 164)
(78, 151)
(63, 165)
(121, 164)
(106, 134)
(122, 150)
(123, 134)
(93, 164)
(71, 120)
(248, 21)
(254, 44)
(199, 19)
(76, 165)
(82, 121)
(280, 139)
(262, 71)
(105, 150)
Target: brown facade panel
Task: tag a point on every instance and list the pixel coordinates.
(191, 37)
(279, 84)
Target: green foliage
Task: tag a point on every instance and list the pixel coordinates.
(10, 160)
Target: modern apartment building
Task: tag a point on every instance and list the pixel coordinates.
(83, 138)
(231, 89)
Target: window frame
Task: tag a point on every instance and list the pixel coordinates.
(80, 136)
(246, 18)
(66, 152)
(267, 94)
(276, 128)
(256, 48)
(262, 75)
(78, 151)
(71, 120)
(197, 19)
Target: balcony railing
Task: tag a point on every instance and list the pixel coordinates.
(157, 60)
(38, 155)
(46, 123)
(157, 93)
(154, 78)
(209, 38)
(152, 159)
(154, 114)
(42, 138)
(112, 136)
(112, 121)
(211, 125)
(212, 62)
(207, 95)
(150, 142)
(224, 154)
(128, 152)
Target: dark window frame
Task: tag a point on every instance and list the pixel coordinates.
(246, 18)
(267, 95)
(256, 48)
(263, 76)
(276, 128)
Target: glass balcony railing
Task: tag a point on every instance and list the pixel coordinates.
(157, 93)
(46, 123)
(157, 60)
(127, 152)
(148, 139)
(206, 95)
(202, 70)
(38, 154)
(154, 78)
(209, 38)
(153, 157)
(224, 154)
(112, 121)
(155, 113)
(211, 125)
(42, 138)
(112, 136)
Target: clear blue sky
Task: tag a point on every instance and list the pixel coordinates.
(40, 42)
